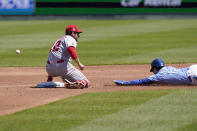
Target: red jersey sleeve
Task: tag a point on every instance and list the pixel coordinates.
(72, 52)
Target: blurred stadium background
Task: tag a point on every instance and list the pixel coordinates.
(97, 8)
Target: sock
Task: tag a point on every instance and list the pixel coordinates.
(50, 78)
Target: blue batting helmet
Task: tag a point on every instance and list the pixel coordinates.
(158, 63)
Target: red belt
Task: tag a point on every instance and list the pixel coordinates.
(59, 61)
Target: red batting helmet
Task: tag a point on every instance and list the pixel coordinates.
(73, 28)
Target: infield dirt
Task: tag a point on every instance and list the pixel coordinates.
(16, 92)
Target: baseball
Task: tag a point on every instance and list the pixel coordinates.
(18, 51)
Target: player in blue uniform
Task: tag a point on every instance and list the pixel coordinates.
(166, 75)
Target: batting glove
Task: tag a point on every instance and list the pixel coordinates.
(120, 83)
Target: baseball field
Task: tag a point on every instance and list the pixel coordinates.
(110, 49)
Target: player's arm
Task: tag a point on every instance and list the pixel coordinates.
(73, 53)
(81, 66)
(156, 78)
(144, 81)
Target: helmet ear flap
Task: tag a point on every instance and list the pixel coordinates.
(157, 63)
(151, 70)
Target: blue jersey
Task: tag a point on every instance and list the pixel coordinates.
(171, 75)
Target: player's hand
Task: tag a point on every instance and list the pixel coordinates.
(119, 82)
(81, 66)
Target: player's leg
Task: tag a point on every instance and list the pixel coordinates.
(51, 71)
(192, 73)
(76, 78)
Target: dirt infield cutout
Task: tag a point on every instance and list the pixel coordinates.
(16, 93)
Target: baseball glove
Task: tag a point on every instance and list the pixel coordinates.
(75, 85)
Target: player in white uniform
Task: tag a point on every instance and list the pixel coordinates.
(60, 57)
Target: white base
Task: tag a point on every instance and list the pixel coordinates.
(50, 84)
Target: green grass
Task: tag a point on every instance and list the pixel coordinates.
(106, 42)
(169, 110)
(103, 42)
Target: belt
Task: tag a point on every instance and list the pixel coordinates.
(59, 61)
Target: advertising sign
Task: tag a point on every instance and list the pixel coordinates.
(152, 3)
(17, 7)
(114, 7)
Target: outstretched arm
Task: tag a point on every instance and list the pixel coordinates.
(133, 82)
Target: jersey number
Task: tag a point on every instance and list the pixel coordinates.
(56, 45)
